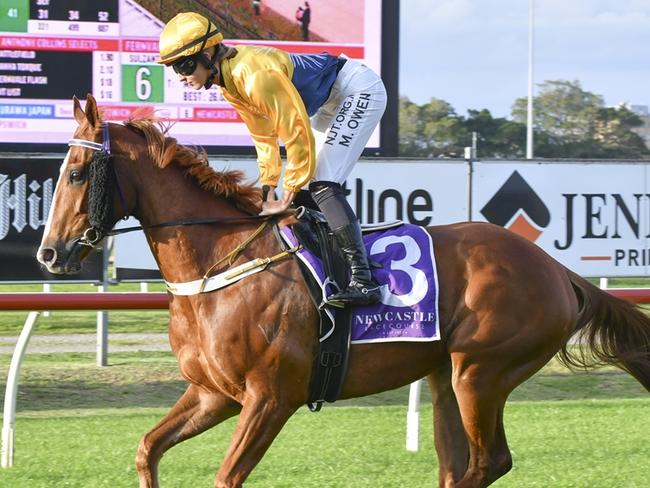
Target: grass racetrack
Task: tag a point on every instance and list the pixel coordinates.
(555, 444)
(79, 426)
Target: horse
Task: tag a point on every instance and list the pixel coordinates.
(506, 308)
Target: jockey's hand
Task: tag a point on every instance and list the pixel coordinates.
(272, 206)
(268, 192)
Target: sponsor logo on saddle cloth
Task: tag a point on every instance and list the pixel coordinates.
(409, 286)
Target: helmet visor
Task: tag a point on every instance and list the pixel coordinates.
(185, 66)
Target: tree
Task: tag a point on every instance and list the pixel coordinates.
(570, 122)
(410, 132)
(614, 136)
(430, 130)
(497, 138)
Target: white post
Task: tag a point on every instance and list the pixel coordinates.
(413, 417)
(529, 118)
(604, 283)
(144, 287)
(102, 318)
(47, 288)
(12, 390)
(102, 333)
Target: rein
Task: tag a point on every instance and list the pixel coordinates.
(197, 221)
(100, 202)
(98, 218)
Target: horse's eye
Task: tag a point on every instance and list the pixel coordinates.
(76, 176)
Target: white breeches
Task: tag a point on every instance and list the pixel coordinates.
(345, 122)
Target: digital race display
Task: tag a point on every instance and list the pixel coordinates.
(51, 50)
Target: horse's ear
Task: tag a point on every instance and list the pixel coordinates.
(79, 114)
(92, 114)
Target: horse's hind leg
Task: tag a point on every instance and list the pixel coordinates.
(449, 434)
(195, 411)
(481, 400)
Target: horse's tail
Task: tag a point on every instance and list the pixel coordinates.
(611, 331)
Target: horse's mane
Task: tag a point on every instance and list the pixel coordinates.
(165, 150)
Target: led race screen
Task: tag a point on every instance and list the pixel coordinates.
(51, 50)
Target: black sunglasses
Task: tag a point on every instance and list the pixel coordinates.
(185, 66)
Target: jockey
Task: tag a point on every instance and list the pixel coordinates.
(324, 109)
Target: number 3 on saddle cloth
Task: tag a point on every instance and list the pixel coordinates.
(403, 265)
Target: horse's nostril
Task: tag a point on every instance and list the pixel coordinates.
(46, 255)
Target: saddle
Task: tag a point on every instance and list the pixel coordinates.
(331, 362)
(321, 252)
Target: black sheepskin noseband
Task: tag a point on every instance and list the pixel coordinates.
(101, 191)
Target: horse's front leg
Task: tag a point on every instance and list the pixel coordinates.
(195, 411)
(261, 419)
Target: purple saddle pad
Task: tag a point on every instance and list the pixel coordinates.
(409, 286)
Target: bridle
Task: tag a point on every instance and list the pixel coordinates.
(98, 229)
(95, 233)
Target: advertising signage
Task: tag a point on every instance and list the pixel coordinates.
(26, 189)
(52, 50)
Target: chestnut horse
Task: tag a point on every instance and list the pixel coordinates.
(506, 308)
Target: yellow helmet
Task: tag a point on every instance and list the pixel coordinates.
(186, 34)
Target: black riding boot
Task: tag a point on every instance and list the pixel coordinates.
(362, 289)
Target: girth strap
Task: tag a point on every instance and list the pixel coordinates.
(331, 362)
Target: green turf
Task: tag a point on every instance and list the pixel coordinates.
(594, 444)
(79, 425)
(63, 322)
(152, 379)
